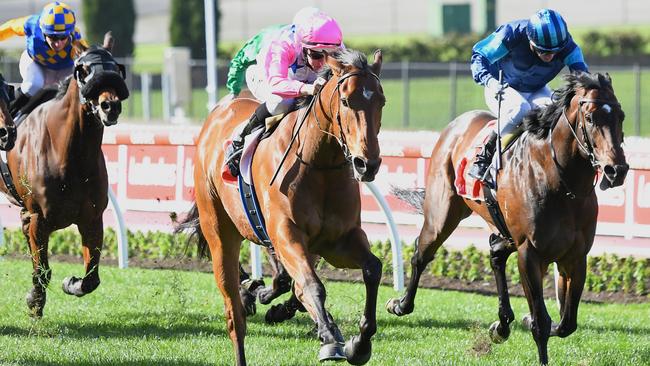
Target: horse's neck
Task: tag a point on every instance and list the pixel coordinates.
(79, 137)
(318, 146)
(576, 169)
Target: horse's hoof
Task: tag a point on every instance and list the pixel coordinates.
(527, 321)
(357, 353)
(35, 303)
(248, 301)
(278, 314)
(394, 307)
(331, 352)
(494, 333)
(72, 286)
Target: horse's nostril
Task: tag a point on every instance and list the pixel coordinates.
(609, 170)
(359, 164)
(106, 106)
(3, 132)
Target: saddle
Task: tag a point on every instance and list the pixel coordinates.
(245, 179)
(467, 186)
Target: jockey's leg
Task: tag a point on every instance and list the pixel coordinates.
(514, 106)
(234, 151)
(33, 81)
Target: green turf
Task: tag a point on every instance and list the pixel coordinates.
(164, 317)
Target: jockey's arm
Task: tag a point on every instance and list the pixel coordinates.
(281, 56)
(574, 58)
(13, 27)
(488, 51)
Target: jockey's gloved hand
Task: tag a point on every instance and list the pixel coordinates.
(313, 89)
(496, 88)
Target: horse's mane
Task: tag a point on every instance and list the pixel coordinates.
(63, 87)
(539, 122)
(347, 58)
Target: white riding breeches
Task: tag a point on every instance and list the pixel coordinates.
(36, 76)
(257, 83)
(515, 105)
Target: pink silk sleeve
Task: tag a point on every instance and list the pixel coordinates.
(280, 56)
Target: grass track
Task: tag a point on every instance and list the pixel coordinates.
(163, 317)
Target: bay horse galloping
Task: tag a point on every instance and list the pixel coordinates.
(7, 127)
(546, 194)
(313, 207)
(59, 170)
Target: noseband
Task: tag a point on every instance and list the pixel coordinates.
(587, 146)
(342, 141)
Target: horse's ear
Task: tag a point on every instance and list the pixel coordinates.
(376, 65)
(334, 65)
(109, 41)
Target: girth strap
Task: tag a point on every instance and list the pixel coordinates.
(252, 210)
(9, 182)
(496, 214)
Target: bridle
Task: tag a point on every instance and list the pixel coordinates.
(343, 100)
(587, 146)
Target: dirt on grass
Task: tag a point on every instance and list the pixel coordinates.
(426, 281)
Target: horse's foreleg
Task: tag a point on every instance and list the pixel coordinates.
(281, 280)
(500, 250)
(285, 311)
(442, 215)
(37, 238)
(539, 322)
(359, 348)
(570, 298)
(309, 289)
(92, 240)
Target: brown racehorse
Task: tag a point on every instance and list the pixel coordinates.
(546, 193)
(59, 171)
(313, 207)
(7, 127)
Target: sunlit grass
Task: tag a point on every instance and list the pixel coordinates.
(162, 317)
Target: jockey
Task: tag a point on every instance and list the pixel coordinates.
(52, 43)
(286, 67)
(530, 52)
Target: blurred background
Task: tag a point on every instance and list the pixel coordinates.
(426, 44)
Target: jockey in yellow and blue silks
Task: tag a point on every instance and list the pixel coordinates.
(51, 39)
(531, 53)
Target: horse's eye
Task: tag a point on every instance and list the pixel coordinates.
(345, 102)
(588, 118)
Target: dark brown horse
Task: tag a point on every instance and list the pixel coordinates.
(7, 127)
(313, 207)
(59, 171)
(546, 193)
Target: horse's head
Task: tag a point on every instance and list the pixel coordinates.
(599, 125)
(356, 99)
(101, 82)
(7, 127)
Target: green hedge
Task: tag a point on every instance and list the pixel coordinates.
(607, 273)
(459, 47)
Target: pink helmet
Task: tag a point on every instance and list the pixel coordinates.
(318, 30)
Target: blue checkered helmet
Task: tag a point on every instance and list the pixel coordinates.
(57, 19)
(547, 30)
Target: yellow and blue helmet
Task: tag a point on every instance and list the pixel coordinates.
(57, 19)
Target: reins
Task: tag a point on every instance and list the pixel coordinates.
(587, 147)
(341, 140)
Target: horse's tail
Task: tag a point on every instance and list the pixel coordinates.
(191, 223)
(414, 197)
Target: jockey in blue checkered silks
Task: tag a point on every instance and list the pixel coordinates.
(51, 37)
(530, 52)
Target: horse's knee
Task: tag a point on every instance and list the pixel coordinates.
(372, 270)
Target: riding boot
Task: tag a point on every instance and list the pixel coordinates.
(233, 154)
(484, 158)
(18, 103)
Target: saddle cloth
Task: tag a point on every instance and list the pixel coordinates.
(467, 186)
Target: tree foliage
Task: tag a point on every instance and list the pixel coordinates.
(187, 25)
(101, 16)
